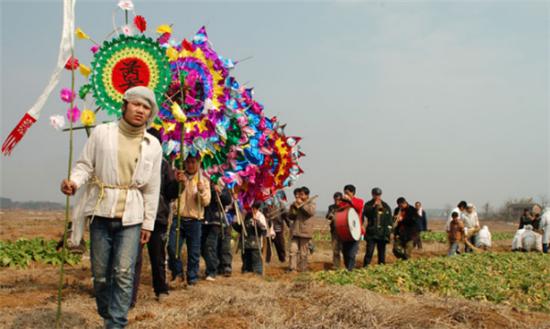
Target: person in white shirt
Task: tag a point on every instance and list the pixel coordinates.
(545, 227)
(120, 170)
(471, 226)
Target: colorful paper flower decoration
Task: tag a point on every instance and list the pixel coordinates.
(125, 62)
(57, 121)
(87, 117)
(140, 23)
(73, 114)
(67, 95)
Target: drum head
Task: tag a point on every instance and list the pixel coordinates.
(354, 225)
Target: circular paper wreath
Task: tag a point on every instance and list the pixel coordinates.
(125, 62)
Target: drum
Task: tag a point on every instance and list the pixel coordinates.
(348, 226)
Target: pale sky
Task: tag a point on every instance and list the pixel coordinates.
(435, 101)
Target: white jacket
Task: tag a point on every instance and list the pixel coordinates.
(545, 225)
(100, 158)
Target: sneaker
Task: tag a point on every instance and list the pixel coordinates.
(161, 298)
(210, 278)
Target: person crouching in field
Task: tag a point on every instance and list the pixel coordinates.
(335, 239)
(455, 233)
(545, 227)
(301, 212)
(255, 229)
(121, 165)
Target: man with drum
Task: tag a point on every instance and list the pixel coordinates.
(350, 202)
(379, 225)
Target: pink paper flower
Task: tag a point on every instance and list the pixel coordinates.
(126, 5)
(127, 30)
(67, 95)
(73, 114)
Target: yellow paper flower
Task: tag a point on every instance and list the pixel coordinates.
(80, 34)
(87, 117)
(164, 29)
(178, 113)
(172, 54)
(84, 70)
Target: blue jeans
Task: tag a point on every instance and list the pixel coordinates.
(190, 232)
(350, 249)
(453, 249)
(113, 251)
(545, 248)
(252, 261)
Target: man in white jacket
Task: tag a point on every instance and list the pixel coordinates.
(120, 169)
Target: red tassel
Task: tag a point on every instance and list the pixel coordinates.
(17, 133)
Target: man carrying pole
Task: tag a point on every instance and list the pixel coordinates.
(121, 163)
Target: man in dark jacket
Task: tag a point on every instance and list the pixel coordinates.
(213, 227)
(335, 239)
(157, 242)
(379, 225)
(406, 228)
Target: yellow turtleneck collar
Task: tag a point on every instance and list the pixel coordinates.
(129, 130)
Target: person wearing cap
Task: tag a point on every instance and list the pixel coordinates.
(405, 228)
(379, 224)
(120, 170)
(471, 226)
(195, 197)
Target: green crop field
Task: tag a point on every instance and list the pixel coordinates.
(519, 279)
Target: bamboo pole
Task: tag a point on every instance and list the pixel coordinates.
(67, 208)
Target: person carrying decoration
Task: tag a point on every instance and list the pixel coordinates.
(156, 246)
(276, 213)
(120, 164)
(301, 212)
(255, 227)
(213, 227)
(195, 196)
(379, 225)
